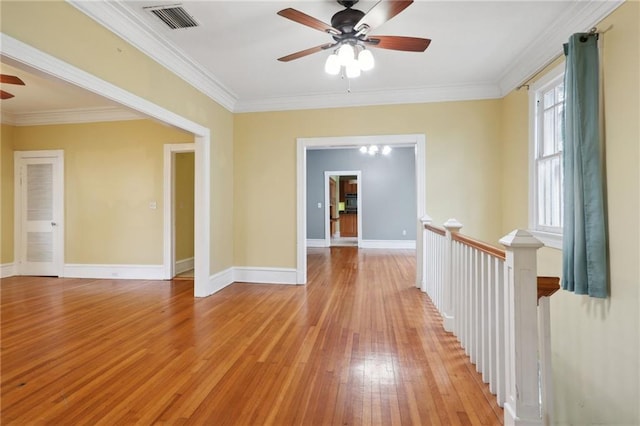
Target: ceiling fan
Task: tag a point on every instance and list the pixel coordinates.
(9, 79)
(351, 27)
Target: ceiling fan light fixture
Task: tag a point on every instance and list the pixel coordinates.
(365, 60)
(386, 150)
(332, 65)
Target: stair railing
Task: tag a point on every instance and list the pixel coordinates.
(488, 298)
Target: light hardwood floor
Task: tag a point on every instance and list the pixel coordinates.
(358, 345)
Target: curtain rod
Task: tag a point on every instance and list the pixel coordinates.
(525, 83)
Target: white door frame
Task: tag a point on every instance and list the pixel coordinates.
(169, 226)
(303, 144)
(327, 229)
(19, 54)
(57, 156)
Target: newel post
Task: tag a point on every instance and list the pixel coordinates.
(522, 404)
(425, 220)
(452, 226)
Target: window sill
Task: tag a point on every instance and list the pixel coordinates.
(549, 239)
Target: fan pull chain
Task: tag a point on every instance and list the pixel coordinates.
(344, 77)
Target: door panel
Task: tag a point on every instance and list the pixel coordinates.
(39, 210)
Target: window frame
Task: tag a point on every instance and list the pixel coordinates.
(550, 237)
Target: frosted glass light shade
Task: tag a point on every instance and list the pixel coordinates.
(346, 54)
(363, 149)
(353, 69)
(386, 150)
(332, 66)
(365, 60)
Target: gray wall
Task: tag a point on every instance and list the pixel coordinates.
(388, 191)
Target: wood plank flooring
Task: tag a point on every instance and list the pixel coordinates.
(359, 345)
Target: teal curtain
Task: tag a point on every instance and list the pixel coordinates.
(584, 251)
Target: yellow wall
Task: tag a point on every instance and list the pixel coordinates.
(6, 196)
(59, 29)
(184, 205)
(595, 343)
(113, 171)
(462, 168)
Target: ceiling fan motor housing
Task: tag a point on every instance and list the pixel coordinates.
(346, 19)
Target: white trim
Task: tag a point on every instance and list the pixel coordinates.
(548, 239)
(389, 244)
(263, 275)
(316, 243)
(7, 270)
(184, 265)
(303, 144)
(416, 95)
(70, 116)
(19, 253)
(118, 18)
(220, 280)
(168, 225)
(580, 16)
(120, 272)
(18, 53)
(327, 224)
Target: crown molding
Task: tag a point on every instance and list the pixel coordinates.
(117, 18)
(71, 116)
(579, 17)
(369, 98)
(7, 118)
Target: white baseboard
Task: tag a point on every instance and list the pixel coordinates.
(184, 265)
(217, 282)
(265, 275)
(389, 244)
(127, 272)
(316, 243)
(7, 270)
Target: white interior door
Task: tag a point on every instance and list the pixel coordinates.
(39, 212)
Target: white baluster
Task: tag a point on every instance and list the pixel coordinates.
(425, 220)
(452, 226)
(544, 349)
(501, 367)
(486, 325)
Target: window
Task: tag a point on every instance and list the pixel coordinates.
(545, 192)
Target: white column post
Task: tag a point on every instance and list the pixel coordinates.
(425, 220)
(522, 404)
(452, 226)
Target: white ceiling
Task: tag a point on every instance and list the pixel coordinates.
(479, 49)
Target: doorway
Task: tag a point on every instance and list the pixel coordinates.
(418, 141)
(21, 55)
(343, 208)
(39, 212)
(179, 211)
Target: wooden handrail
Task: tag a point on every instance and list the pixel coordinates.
(479, 245)
(547, 286)
(435, 229)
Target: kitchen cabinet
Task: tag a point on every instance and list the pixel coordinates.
(349, 225)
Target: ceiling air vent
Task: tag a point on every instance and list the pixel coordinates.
(174, 16)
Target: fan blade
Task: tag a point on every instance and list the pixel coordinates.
(10, 79)
(306, 52)
(406, 44)
(5, 95)
(309, 21)
(381, 13)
